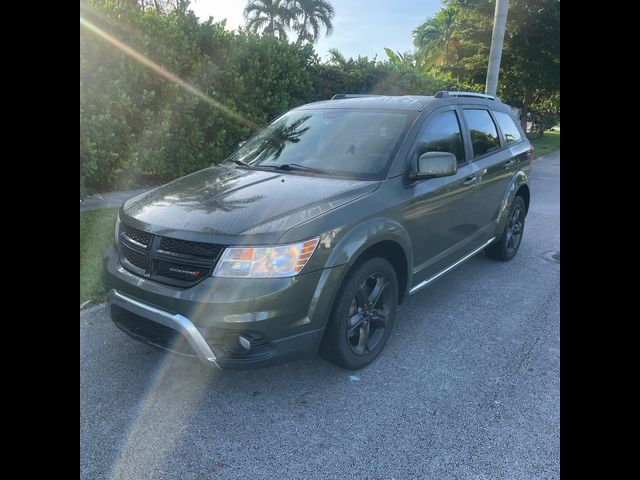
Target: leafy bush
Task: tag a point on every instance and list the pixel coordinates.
(545, 112)
(137, 127)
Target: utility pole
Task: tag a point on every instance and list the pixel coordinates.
(497, 40)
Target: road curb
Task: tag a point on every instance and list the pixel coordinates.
(91, 306)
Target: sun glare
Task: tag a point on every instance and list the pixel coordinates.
(160, 70)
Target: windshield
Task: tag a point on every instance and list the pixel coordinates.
(340, 142)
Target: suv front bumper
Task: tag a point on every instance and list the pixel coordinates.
(281, 318)
(180, 324)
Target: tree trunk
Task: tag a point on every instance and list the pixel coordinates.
(302, 34)
(524, 112)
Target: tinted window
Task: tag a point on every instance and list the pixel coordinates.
(508, 127)
(442, 134)
(338, 142)
(484, 135)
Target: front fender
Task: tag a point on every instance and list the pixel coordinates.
(346, 249)
(337, 251)
(519, 179)
(367, 234)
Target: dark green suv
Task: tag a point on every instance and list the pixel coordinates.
(309, 236)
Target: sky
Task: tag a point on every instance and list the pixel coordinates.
(361, 27)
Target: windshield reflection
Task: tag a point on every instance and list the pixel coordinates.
(269, 148)
(337, 142)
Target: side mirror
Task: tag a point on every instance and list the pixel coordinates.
(435, 164)
(241, 143)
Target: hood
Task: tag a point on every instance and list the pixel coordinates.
(229, 205)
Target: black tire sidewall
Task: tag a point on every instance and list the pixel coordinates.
(499, 250)
(335, 347)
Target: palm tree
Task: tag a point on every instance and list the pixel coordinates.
(337, 58)
(273, 17)
(433, 37)
(310, 17)
(276, 139)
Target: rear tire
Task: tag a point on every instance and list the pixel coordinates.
(506, 247)
(363, 315)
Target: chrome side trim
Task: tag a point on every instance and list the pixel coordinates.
(453, 265)
(457, 246)
(181, 324)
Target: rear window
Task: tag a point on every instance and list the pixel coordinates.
(509, 128)
(484, 134)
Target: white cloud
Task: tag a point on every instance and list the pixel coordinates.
(219, 9)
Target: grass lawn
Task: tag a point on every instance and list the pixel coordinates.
(549, 142)
(96, 234)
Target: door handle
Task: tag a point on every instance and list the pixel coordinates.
(508, 163)
(470, 181)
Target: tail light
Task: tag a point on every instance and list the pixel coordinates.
(531, 151)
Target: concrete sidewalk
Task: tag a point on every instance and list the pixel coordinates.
(109, 199)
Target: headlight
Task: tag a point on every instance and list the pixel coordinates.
(115, 233)
(265, 262)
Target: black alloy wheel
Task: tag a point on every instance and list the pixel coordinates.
(363, 315)
(369, 314)
(515, 224)
(507, 245)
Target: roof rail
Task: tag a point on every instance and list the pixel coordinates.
(341, 96)
(444, 94)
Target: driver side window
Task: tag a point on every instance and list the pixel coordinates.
(442, 133)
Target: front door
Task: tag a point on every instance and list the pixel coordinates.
(438, 216)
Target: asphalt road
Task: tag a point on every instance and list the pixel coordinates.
(467, 387)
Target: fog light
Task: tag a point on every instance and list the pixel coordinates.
(244, 342)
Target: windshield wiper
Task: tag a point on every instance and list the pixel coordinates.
(288, 167)
(239, 162)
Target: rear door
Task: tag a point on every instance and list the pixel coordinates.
(494, 164)
(515, 140)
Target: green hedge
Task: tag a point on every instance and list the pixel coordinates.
(137, 128)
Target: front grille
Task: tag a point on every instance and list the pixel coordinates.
(182, 272)
(137, 237)
(135, 258)
(184, 247)
(167, 260)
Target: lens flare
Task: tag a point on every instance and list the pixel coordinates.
(160, 70)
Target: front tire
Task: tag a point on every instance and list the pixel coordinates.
(363, 315)
(506, 247)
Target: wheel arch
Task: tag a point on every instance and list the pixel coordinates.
(519, 184)
(523, 191)
(377, 238)
(395, 255)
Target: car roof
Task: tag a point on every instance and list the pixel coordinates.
(402, 102)
(391, 102)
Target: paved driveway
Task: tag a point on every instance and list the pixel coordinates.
(467, 387)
